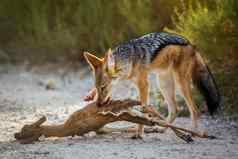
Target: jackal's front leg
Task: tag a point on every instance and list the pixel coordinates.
(143, 87)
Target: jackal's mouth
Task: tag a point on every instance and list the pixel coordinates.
(104, 102)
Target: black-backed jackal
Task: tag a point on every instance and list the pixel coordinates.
(171, 56)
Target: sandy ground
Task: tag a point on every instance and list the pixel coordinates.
(23, 98)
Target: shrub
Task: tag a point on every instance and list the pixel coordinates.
(212, 29)
(215, 31)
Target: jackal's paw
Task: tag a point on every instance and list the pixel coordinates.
(160, 130)
(199, 131)
(137, 136)
(155, 129)
(203, 133)
(90, 95)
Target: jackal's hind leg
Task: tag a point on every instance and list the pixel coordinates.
(185, 87)
(167, 87)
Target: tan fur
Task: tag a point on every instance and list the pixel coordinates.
(175, 66)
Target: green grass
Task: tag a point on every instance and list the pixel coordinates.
(93, 25)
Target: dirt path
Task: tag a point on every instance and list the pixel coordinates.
(23, 98)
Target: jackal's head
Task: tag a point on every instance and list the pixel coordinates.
(103, 76)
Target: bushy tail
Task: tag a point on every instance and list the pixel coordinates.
(206, 84)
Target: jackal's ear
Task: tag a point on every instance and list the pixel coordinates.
(93, 60)
(109, 52)
(110, 63)
(107, 56)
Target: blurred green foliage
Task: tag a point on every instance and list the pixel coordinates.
(97, 25)
(93, 25)
(214, 29)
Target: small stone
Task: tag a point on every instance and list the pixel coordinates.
(50, 85)
(92, 134)
(115, 153)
